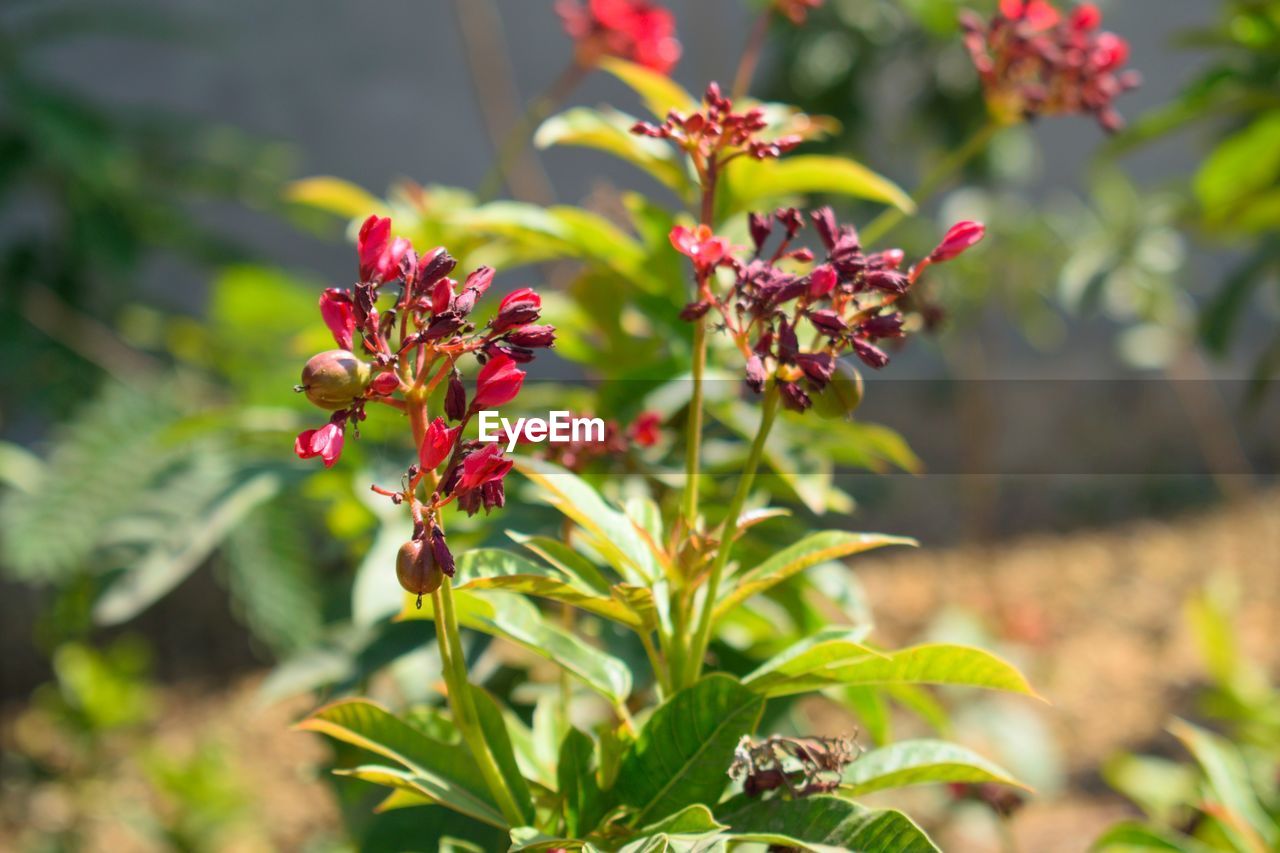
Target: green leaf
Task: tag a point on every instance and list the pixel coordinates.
(1241, 170)
(610, 131)
(527, 839)
(810, 551)
(493, 569)
(692, 820)
(683, 753)
(751, 183)
(337, 196)
(921, 762)
(446, 773)
(823, 823)
(494, 727)
(659, 92)
(1134, 837)
(826, 648)
(515, 618)
(612, 533)
(564, 558)
(928, 664)
(1229, 783)
(583, 801)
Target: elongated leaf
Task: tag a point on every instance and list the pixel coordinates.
(1135, 837)
(527, 839)
(610, 131)
(494, 727)
(1229, 781)
(336, 196)
(692, 820)
(752, 183)
(682, 755)
(823, 823)
(614, 535)
(810, 551)
(584, 802)
(489, 568)
(829, 647)
(399, 798)
(564, 558)
(921, 762)
(928, 664)
(444, 772)
(517, 619)
(659, 92)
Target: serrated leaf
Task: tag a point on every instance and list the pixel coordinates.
(659, 92)
(961, 666)
(754, 183)
(682, 755)
(609, 130)
(823, 823)
(921, 762)
(810, 551)
(515, 618)
(444, 772)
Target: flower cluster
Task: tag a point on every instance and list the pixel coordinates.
(1035, 61)
(635, 30)
(716, 134)
(397, 352)
(796, 11)
(846, 302)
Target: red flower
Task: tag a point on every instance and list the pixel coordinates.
(437, 444)
(325, 442)
(646, 429)
(498, 383)
(339, 315)
(486, 465)
(385, 384)
(636, 30)
(700, 245)
(380, 256)
(516, 309)
(822, 281)
(1040, 14)
(962, 237)
(441, 295)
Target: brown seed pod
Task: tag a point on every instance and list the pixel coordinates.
(416, 569)
(333, 379)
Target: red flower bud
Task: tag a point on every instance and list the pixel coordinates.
(325, 442)
(484, 466)
(516, 309)
(822, 281)
(371, 244)
(441, 295)
(535, 337)
(479, 280)
(455, 398)
(962, 237)
(498, 383)
(440, 551)
(339, 315)
(646, 429)
(437, 444)
(1086, 17)
(385, 384)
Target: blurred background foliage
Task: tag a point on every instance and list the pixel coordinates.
(146, 450)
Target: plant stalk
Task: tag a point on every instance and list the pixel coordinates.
(751, 55)
(890, 219)
(698, 650)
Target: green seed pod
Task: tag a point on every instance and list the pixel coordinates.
(416, 569)
(843, 394)
(333, 379)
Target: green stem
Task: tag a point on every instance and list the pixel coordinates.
(463, 704)
(698, 650)
(751, 55)
(693, 440)
(890, 219)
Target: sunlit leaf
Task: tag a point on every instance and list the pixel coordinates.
(610, 131)
(810, 551)
(336, 196)
(659, 92)
(827, 648)
(1229, 783)
(584, 802)
(753, 183)
(683, 752)
(921, 762)
(823, 823)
